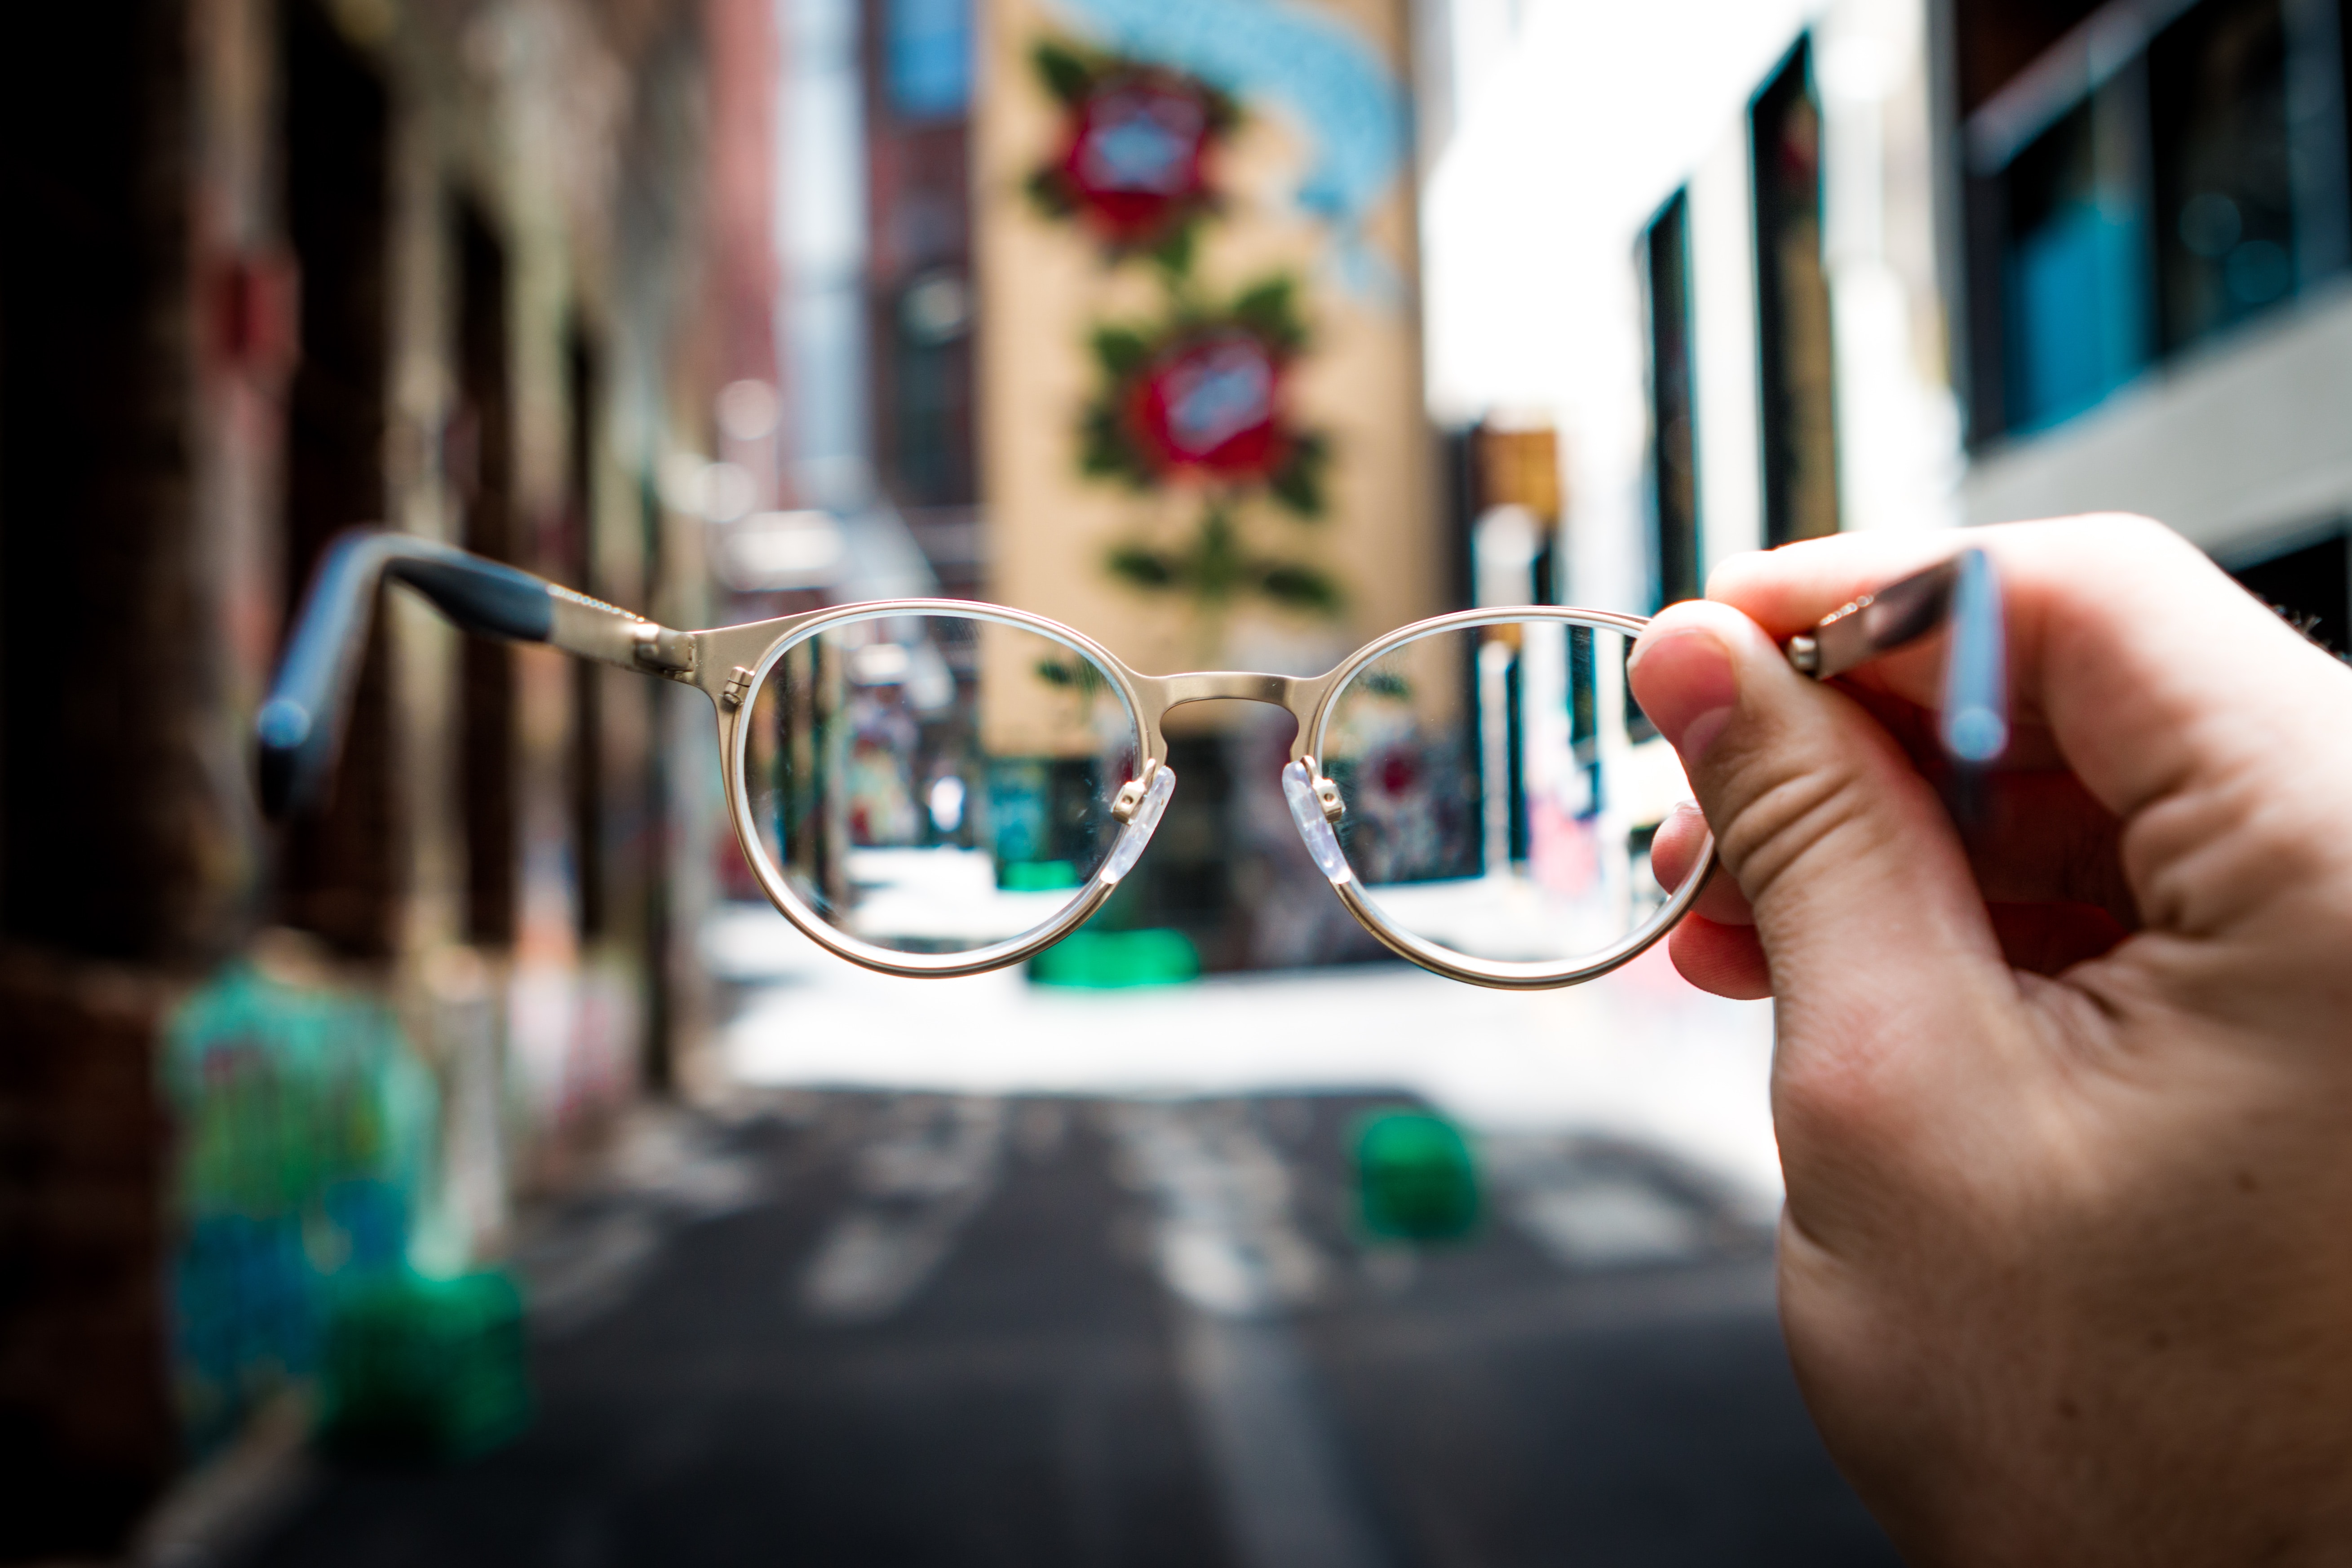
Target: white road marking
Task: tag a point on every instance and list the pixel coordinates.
(933, 1167)
(666, 1170)
(1230, 1250)
(1223, 1236)
(1289, 1501)
(1609, 1223)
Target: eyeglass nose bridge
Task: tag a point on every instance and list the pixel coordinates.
(1301, 695)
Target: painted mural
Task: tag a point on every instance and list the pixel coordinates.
(1199, 354)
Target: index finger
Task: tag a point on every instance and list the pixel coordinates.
(2158, 678)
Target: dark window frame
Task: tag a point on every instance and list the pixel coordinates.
(1795, 340)
(2005, 123)
(342, 873)
(483, 458)
(1677, 552)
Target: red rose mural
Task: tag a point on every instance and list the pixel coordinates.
(1208, 405)
(1138, 161)
(1196, 399)
(1136, 148)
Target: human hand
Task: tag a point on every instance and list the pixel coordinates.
(2065, 1111)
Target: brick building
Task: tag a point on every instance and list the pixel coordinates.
(474, 271)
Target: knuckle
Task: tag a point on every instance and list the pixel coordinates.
(2121, 537)
(1785, 819)
(1734, 572)
(2117, 527)
(2205, 860)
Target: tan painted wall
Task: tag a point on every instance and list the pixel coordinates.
(1045, 286)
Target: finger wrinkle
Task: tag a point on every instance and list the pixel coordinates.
(2207, 857)
(2086, 1015)
(1787, 823)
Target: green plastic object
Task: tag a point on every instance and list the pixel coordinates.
(305, 1140)
(1036, 876)
(1118, 959)
(426, 1369)
(1416, 1178)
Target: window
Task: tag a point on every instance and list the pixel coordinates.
(927, 434)
(2224, 174)
(2074, 274)
(1792, 306)
(929, 45)
(343, 872)
(481, 463)
(1674, 559)
(2155, 177)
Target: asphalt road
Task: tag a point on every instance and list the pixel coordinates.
(881, 1329)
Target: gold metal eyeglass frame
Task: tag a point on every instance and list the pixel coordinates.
(298, 729)
(733, 662)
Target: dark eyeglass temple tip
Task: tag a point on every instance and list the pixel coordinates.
(299, 727)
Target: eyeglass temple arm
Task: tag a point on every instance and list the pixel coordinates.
(1964, 594)
(298, 730)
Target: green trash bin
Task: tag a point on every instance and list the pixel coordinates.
(1092, 959)
(424, 1369)
(1416, 1179)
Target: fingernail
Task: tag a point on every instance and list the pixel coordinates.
(1685, 683)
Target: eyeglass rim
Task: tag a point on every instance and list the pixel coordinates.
(1493, 974)
(750, 653)
(735, 737)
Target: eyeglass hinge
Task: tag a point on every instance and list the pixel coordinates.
(660, 649)
(738, 687)
(1805, 655)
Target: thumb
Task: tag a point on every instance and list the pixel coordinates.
(1869, 915)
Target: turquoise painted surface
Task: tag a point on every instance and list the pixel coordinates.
(305, 1130)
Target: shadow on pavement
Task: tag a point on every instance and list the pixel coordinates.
(882, 1330)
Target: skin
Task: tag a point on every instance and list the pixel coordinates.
(2064, 1105)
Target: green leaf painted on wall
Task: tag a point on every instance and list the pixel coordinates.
(1066, 75)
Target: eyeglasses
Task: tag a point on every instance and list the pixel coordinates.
(937, 787)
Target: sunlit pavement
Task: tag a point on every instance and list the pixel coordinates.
(973, 1272)
(1639, 1055)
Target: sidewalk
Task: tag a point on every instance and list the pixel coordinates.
(1639, 1055)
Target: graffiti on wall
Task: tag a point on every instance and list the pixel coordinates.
(306, 1137)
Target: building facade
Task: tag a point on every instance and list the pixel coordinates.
(2154, 226)
(1896, 264)
(278, 267)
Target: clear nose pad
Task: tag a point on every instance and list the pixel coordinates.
(1303, 791)
(1137, 836)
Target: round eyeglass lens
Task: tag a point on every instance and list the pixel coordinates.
(936, 784)
(1501, 790)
